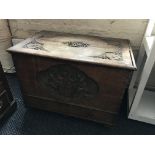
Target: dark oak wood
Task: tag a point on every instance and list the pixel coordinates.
(92, 91)
(7, 103)
(72, 110)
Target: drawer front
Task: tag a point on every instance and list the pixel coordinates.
(4, 102)
(87, 85)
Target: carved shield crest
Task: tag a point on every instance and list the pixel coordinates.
(67, 83)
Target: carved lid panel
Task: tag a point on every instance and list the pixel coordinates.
(91, 49)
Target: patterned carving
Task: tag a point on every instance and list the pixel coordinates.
(67, 83)
(110, 55)
(116, 54)
(34, 45)
(76, 44)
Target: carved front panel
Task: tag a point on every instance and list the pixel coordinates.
(67, 83)
(76, 44)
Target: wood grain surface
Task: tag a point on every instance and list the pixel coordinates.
(103, 107)
(102, 51)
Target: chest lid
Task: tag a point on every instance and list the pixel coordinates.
(89, 49)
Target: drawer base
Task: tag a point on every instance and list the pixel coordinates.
(72, 110)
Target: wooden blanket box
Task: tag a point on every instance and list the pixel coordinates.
(76, 75)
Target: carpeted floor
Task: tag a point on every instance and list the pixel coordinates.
(27, 121)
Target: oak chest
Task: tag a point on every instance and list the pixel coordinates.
(77, 75)
(7, 103)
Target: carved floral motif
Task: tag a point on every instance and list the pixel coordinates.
(110, 56)
(76, 44)
(67, 83)
(34, 45)
(116, 54)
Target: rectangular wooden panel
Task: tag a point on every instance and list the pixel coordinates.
(71, 110)
(112, 82)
